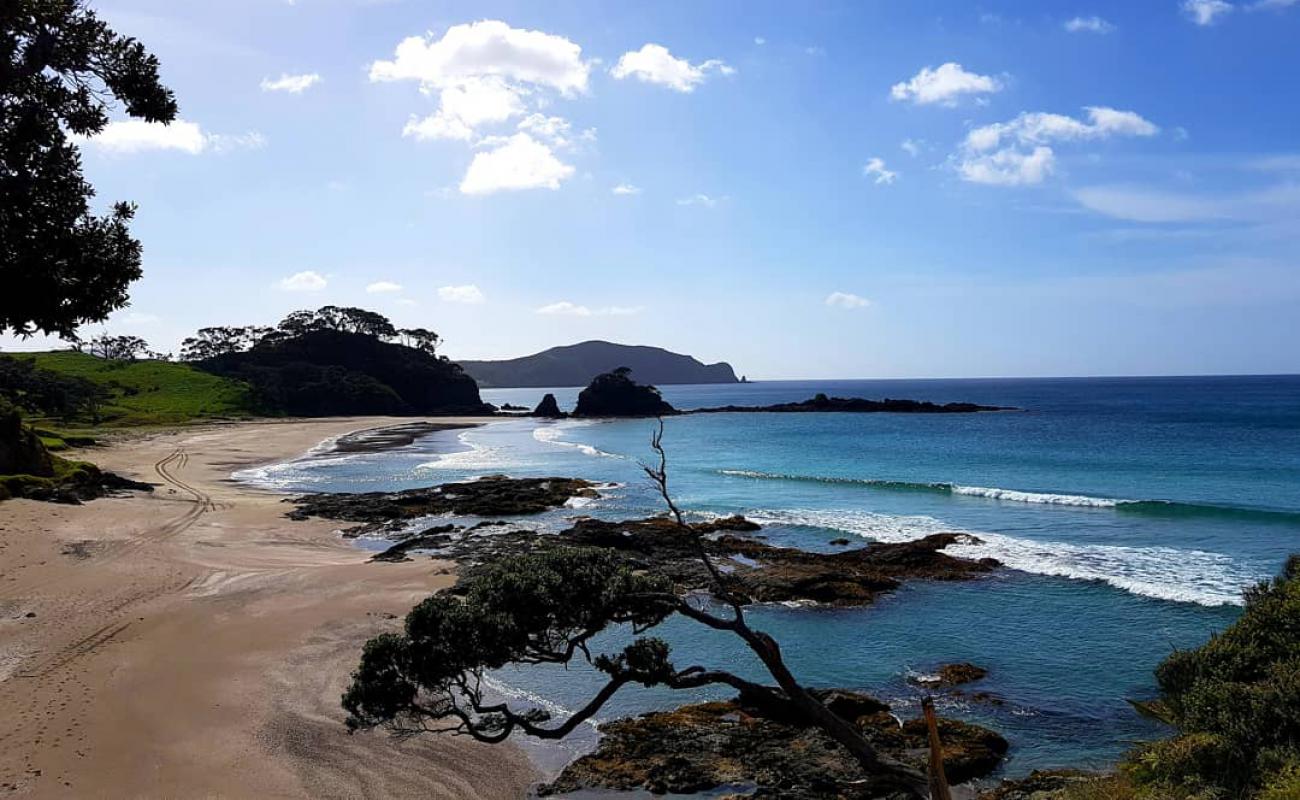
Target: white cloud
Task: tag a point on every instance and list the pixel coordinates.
(139, 318)
(1009, 167)
(293, 84)
(483, 73)
(1206, 12)
(846, 300)
(466, 106)
(489, 48)
(626, 188)
(383, 287)
(514, 162)
(552, 129)
(759, 40)
(944, 85)
(1275, 204)
(566, 309)
(136, 136)
(1089, 25)
(306, 281)
(654, 64)
(226, 142)
(1146, 205)
(911, 146)
(699, 200)
(876, 167)
(1017, 152)
(469, 294)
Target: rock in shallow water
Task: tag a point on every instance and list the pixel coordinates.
(702, 747)
(489, 496)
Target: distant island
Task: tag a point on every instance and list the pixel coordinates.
(578, 364)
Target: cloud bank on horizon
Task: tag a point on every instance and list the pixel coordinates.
(965, 173)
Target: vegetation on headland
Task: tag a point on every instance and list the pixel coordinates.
(76, 389)
(615, 394)
(578, 364)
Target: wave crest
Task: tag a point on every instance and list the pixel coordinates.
(1163, 573)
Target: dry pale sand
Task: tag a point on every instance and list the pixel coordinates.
(194, 643)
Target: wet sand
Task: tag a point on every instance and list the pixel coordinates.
(194, 642)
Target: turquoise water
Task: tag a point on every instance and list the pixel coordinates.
(1130, 514)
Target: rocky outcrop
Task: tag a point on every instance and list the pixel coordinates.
(548, 408)
(753, 570)
(21, 451)
(765, 753)
(615, 394)
(489, 496)
(1045, 785)
(857, 405)
(950, 675)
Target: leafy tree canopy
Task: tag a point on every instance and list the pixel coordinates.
(1235, 702)
(61, 68)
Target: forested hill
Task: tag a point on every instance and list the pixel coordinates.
(577, 364)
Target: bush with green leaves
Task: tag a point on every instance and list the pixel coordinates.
(1235, 702)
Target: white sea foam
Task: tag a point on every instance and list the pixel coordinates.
(556, 710)
(474, 457)
(1166, 573)
(1044, 498)
(553, 434)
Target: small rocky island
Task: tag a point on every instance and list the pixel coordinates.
(857, 405)
(616, 394)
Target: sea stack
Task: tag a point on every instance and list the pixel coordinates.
(548, 408)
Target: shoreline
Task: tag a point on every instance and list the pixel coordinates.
(194, 642)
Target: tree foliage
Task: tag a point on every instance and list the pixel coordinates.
(616, 394)
(50, 393)
(545, 607)
(115, 348)
(215, 341)
(1235, 702)
(60, 70)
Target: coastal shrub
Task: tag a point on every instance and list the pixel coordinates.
(1235, 702)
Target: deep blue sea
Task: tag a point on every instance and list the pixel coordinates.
(1129, 512)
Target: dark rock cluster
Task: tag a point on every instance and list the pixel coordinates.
(858, 405)
(743, 745)
(548, 408)
(489, 496)
(615, 394)
(754, 571)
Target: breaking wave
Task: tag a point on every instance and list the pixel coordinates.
(1160, 508)
(1164, 573)
(551, 434)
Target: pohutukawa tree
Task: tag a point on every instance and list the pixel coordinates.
(545, 608)
(61, 69)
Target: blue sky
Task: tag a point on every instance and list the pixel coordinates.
(806, 190)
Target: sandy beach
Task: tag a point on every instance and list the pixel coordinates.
(194, 642)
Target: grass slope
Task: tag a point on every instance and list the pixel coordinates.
(152, 392)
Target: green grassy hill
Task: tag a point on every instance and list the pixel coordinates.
(152, 392)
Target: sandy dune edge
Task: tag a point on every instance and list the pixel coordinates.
(194, 643)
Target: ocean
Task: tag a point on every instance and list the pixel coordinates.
(1130, 514)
